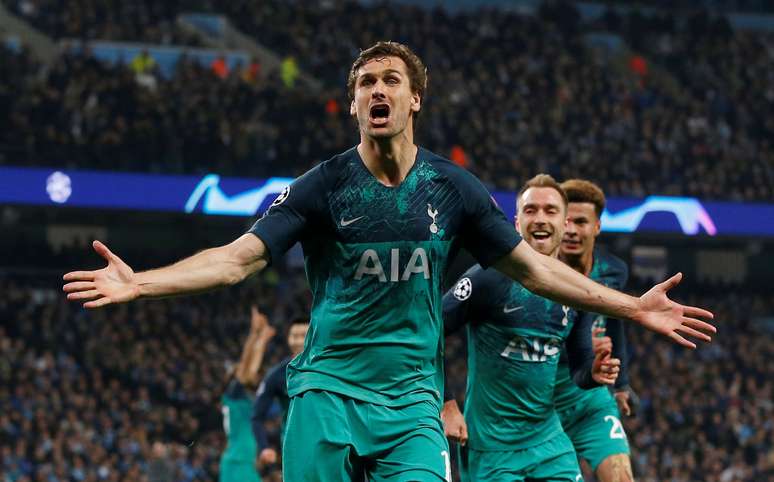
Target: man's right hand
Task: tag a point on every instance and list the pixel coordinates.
(268, 456)
(112, 284)
(454, 425)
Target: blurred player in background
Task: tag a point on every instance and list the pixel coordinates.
(590, 417)
(237, 464)
(274, 387)
(378, 225)
(514, 341)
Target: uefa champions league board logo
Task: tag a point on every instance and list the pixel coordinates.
(246, 203)
(59, 187)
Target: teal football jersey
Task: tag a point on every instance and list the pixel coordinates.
(514, 341)
(237, 408)
(375, 257)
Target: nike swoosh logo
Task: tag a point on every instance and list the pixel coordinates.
(346, 223)
(507, 309)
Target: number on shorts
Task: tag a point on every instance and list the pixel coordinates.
(447, 463)
(226, 421)
(616, 431)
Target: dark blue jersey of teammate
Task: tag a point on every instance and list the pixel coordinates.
(610, 271)
(273, 388)
(514, 341)
(375, 258)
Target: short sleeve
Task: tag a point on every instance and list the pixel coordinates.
(286, 220)
(487, 233)
(462, 300)
(458, 307)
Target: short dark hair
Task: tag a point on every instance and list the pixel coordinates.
(543, 180)
(299, 320)
(417, 71)
(583, 191)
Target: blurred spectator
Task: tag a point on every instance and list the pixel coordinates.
(458, 156)
(638, 65)
(160, 467)
(142, 63)
(332, 107)
(289, 71)
(220, 67)
(252, 72)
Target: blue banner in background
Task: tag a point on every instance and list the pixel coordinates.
(209, 194)
(668, 215)
(215, 195)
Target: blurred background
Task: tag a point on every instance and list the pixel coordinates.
(162, 128)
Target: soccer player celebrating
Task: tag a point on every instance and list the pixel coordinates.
(273, 387)
(378, 225)
(237, 462)
(590, 417)
(514, 341)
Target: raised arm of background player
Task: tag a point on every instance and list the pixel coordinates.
(300, 208)
(254, 348)
(483, 290)
(246, 371)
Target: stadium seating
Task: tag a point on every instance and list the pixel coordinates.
(494, 99)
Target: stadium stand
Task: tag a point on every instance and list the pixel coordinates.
(86, 396)
(494, 103)
(152, 22)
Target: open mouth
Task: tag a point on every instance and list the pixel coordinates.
(379, 113)
(541, 235)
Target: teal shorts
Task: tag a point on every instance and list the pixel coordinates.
(596, 432)
(330, 437)
(236, 471)
(551, 461)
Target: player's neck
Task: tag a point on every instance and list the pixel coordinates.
(582, 263)
(389, 160)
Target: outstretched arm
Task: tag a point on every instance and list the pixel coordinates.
(209, 269)
(553, 279)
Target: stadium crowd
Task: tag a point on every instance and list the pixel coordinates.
(152, 22)
(123, 395)
(132, 393)
(510, 95)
